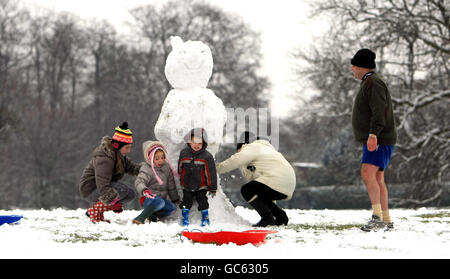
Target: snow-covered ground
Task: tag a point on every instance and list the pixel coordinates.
(60, 233)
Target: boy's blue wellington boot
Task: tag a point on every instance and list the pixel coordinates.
(205, 218)
(185, 214)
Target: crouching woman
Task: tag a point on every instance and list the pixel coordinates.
(269, 176)
(99, 183)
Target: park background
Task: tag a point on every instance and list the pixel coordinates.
(70, 71)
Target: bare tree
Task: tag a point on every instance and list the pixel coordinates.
(13, 20)
(65, 83)
(324, 119)
(13, 58)
(412, 41)
(235, 47)
(49, 107)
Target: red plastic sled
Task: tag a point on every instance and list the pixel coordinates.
(224, 237)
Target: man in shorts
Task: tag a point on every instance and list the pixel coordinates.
(373, 126)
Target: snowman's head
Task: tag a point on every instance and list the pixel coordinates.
(189, 65)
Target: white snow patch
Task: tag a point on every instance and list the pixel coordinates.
(317, 234)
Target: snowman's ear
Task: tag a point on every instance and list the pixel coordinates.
(176, 42)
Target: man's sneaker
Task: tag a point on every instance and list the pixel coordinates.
(389, 227)
(374, 224)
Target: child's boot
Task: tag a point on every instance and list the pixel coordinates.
(205, 218)
(146, 213)
(185, 214)
(96, 211)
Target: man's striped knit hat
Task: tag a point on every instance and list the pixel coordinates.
(122, 136)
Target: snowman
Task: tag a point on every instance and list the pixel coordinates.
(191, 105)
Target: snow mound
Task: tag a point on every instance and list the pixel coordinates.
(316, 234)
(191, 105)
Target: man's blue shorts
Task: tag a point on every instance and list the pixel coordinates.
(379, 157)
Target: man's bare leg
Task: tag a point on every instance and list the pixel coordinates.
(384, 197)
(369, 176)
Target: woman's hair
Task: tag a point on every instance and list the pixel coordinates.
(245, 138)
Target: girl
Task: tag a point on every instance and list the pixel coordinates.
(156, 184)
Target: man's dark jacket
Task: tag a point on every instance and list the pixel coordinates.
(373, 113)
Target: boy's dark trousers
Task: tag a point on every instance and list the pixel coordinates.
(200, 196)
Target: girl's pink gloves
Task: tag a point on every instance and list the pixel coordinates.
(149, 194)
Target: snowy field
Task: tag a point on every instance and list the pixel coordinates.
(311, 234)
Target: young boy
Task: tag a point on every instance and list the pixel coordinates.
(197, 171)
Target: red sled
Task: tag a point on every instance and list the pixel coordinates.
(224, 237)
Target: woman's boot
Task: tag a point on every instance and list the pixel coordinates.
(280, 215)
(267, 218)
